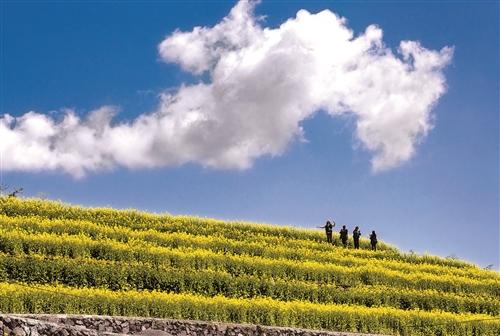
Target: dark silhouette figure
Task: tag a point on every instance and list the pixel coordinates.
(343, 236)
(329, 231)
(355, 237)
(16, 192)
(373, 240)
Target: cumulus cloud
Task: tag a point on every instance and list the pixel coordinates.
(263, 82)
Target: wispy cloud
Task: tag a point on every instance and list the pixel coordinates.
(263, 83)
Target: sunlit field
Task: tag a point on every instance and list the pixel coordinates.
(56, 258)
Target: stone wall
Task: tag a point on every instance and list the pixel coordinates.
(88, 325)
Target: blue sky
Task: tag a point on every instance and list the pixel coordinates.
(443, 200)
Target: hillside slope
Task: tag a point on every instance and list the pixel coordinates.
(56, 258)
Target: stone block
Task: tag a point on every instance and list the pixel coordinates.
(18, 331)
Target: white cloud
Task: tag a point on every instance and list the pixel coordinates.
(263, 83)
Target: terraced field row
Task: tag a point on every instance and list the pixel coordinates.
(50, 299)
(16, 242)
(84, 272)
(337, 256)
(13, 207)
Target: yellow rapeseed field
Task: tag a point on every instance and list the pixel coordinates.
(56, 258)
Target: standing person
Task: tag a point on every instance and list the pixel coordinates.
(343, 235)
(373, 240)
(328, 230)
(355, 236)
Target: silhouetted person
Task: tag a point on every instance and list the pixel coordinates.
(329, 231)
(373, 240)
(343, 235)
(355, 237)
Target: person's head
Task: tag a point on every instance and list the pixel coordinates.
(357, 228)
(343, 226)
(373, 232)
(328, 222)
